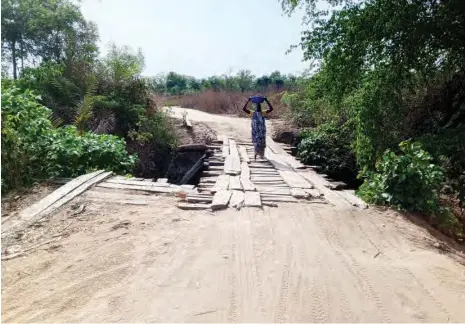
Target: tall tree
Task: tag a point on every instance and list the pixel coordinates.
(45, 30)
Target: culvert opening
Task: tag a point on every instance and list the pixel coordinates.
(187, 166)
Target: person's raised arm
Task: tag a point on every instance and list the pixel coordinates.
(245, 109)
(270, 109)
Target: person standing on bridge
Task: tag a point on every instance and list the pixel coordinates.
(258, 123)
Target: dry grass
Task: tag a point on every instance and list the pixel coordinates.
(222, 102)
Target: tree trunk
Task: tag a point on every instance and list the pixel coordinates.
(21, 50)
(13, 58)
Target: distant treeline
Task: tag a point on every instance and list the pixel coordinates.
(173, 83)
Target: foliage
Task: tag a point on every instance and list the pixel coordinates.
(154, 142)
(32, 148)
(70, 154)
(50, 30)
(328, 145)
(407, 181)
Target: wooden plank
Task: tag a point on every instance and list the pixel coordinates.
(245, 171)
(314, 193)
(221, 199)
(195, 199)
(295, 180)
(194, 170)
(188, 186)
(211, 173)
(222, 183)
(79, 190)
(274, 190)
(208, 180)
(252, 199)
(185, 206)
(141, 188)
(237, 199)
(247, 184)
(233, 163)
(274, 146)
(40, 206)
(225, 146)
(299, 193)
(279, 199)
(350, 196)
(235, 183)
(261, 166)
(266, 178)
(137, 183)
(243, 154)
(274, 159)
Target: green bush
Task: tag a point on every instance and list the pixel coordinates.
(32, 148)
(408, 181)
(69, 154)
(329, 146)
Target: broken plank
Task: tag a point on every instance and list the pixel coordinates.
(299, 193)
(221, 199)
(222, 183)
(59, 194)
(235, 183)
(185, 206)
(243, 154)
(314, 193)
(237, 199)
(252, 199)
(247, 184)
(295, 180)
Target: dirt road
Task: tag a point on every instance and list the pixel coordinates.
(295, 263)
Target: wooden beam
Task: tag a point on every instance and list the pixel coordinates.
(193, 171)
(185, 206)
(252, 199)
(243, 154)
(222, 183)
(237, 199)
(245, 171)
(221, 199)
(235, 183)
(247, 185)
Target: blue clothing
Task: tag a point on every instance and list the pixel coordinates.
(258, 133)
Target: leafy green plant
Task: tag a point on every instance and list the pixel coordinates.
(32, 148)
(407, 181)
(71, 154)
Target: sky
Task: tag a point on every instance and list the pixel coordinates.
(201, 37)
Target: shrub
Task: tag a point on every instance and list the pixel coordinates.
(329, 146)
(407, 181)
(32, 148)
(69, 155)
(153, 139)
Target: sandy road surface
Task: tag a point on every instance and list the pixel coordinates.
(295, 263)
